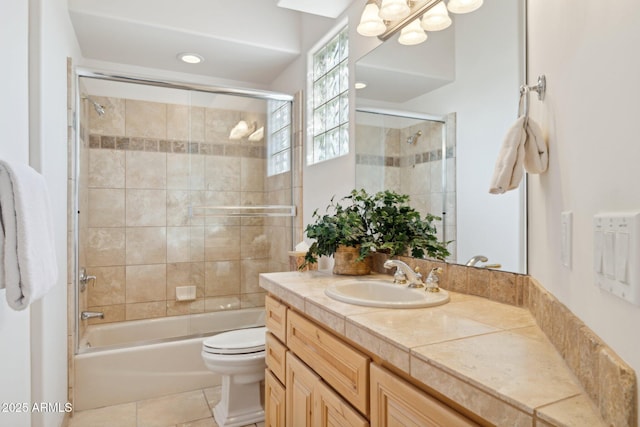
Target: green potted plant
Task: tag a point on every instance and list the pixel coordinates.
(363, 223)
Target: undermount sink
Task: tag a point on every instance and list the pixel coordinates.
(378, 293)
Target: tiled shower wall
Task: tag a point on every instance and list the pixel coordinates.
(386, 161)
(147, 163)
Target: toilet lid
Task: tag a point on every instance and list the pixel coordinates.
(241, 341)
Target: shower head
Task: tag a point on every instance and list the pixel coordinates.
(99, 108)
(414, 138)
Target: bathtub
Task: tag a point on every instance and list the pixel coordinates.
(141, 359)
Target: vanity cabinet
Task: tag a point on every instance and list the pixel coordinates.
(316, 379)
(395, 402)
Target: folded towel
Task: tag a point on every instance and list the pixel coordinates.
(28, 267)
(523, 145)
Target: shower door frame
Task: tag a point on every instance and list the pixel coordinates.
(81, 72)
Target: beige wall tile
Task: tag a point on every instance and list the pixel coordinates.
(197, 244)
(618, 389)
(112, 313)
(503, 287)
(456, 278)
(146, 283)
(178, 202)
(146, 119)
(221, 243)
(146, 245)
(178, 171)
(252, 300)
(478, 283)
(185, 274)
(221, 173)
(146, 170)
(252, 173)
(106, 168)
(197, 123)
(146, 310)
(109, 286)
(222, 278)
(146, 208)
(218, 124)
(112, 122)
(221, 303)
(179, 308)
(106, 207)
(178, 122)
(254, 243)
(250, 270)
(105, 246)
(178, 244)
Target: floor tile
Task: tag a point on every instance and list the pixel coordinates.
(118, 415)
(213, 395)
(172, 410)
(207, 422)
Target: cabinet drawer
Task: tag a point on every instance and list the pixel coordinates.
(275, 356)
(276, 318)
(342, 367)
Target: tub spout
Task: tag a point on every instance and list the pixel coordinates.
(91, 314)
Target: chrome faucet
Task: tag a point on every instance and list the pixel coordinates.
(91, 314)
(403, 270)
(476, 259)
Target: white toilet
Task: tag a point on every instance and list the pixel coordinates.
(238, 356)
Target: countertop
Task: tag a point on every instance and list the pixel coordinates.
(488, 357)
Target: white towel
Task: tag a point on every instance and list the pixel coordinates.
(28, 262)
(523, 145)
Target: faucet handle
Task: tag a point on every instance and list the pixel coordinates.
(399, 277)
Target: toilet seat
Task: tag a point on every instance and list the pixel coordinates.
(242, 341)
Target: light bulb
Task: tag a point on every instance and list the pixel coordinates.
(371, 24)
(412, 34)
(436, 18)
(463, 6)
(394, 10)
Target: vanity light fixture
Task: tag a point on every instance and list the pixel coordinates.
(400, 15)
(371, 24)
(241, 129)
(190, 58)
(412, 34)
(257, 135)
(393, 10)
(463, 6)
(437, 18)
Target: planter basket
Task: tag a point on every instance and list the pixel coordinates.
(345, 262)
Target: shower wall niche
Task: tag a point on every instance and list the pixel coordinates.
(165, 201)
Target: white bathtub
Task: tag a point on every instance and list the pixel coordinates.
(129, 361)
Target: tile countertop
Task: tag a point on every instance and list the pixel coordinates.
(490, 358)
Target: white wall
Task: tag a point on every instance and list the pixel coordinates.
(588, 52)
(14, 146)
(52, 40)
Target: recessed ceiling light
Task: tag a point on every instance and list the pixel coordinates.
(190, 58)
(360, 85)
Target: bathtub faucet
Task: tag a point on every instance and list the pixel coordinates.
(91, 314)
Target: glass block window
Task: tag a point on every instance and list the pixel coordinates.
(330, 101)
(279, 140)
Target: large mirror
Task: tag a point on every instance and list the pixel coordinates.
(463, 80)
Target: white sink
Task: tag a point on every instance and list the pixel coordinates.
(377, 293)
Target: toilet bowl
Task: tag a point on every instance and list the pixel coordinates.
(239, 358)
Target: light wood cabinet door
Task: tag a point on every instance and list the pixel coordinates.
(275, 356)
(276, 318)
(300, 384)
(340, 365)
(331, 410)
(395, 402)
(274, 401)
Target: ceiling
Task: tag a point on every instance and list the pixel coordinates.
(249, 41)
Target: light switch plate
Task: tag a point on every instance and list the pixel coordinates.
(616, 254)
(566, 236)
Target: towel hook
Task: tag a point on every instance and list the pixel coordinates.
(540, 89)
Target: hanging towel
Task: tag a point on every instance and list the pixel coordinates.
(28, 268)
(523, 146)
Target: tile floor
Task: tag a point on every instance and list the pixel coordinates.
(188, 409)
